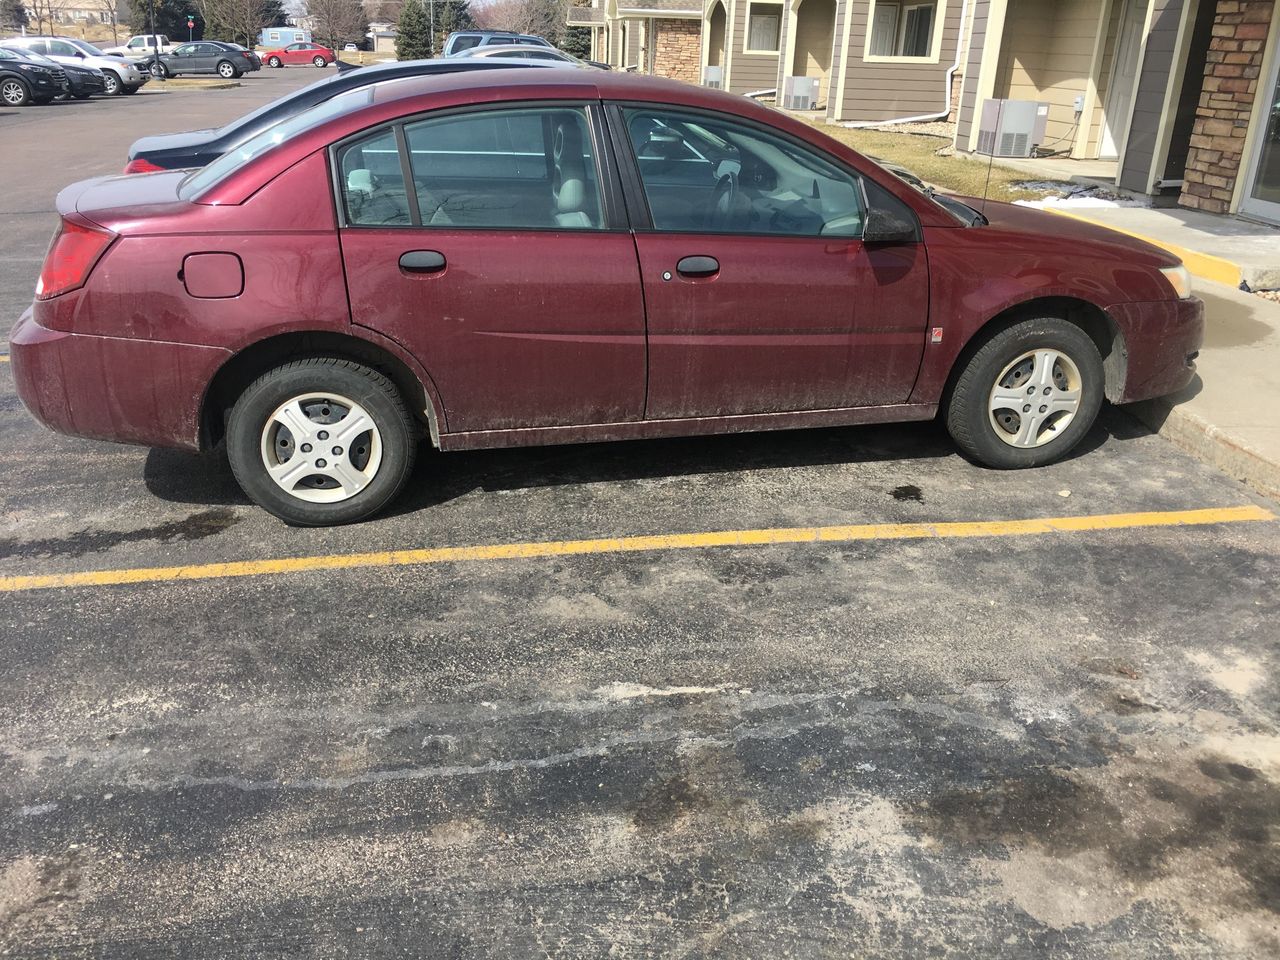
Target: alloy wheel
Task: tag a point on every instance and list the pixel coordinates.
(111, 83)
(13, 93)
(226, 70)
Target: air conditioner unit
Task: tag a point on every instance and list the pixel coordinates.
(1011, 128)
(713, 77)
(799, 93)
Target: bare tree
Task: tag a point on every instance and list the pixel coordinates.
(46, 14)
(236, 20)
(542, 18)
(337, 21)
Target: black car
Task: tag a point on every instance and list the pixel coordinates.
(83, 81)
(176, 151)
(24, 80)
(202, 56)
(251, 61)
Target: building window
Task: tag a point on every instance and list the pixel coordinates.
(764, 28)
(901, 29)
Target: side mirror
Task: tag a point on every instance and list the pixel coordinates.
(887, 226)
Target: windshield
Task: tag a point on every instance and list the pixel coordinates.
(88, 48)
(200, 181)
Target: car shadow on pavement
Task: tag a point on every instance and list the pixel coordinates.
(438, 478)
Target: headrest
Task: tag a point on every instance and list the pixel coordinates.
(360, 181)
(571, 196)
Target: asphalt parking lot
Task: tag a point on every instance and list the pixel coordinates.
(813, 694)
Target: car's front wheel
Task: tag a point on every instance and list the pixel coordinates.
(226, 70)
(319, 61)
(274, 62)
(112, 84)
(159, 71)
(321, 441)
(14, 93)
(1028, 395)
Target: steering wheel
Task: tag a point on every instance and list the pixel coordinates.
(723, 202)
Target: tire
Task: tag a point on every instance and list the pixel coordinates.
(274, 62)
(159, 70)
(81, 96)
(991, 413)
(113, 86)
(226, 69)
(314, 394)
(14, 93)
(320, 61)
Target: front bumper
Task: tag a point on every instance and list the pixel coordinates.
(112, 388)
(1162, 339)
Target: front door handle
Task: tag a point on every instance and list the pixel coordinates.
(698, 267)
(422, 261)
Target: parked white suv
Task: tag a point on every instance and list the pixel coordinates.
(141, 46)
(119, 75)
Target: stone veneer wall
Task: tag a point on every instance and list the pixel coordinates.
(678, 49)
(1232, 71)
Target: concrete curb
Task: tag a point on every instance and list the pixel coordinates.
(1209, 444)
(1203, 265)
(164, 86)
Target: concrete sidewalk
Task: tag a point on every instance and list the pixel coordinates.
(1225, 250)
(1228, 415)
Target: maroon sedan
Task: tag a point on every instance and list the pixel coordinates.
(536, 257)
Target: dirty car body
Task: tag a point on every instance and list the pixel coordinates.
(529, 257)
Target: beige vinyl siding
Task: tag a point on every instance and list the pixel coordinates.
(634, 38)
(886, 90)
(1048, 56)
(839, 57)
(812, 56)
(1106, 62)
(969, 92)
(1149, 98)
(749, 72)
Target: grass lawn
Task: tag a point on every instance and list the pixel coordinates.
(950, 174)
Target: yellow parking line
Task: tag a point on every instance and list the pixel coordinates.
(4, 358)
(673, 541)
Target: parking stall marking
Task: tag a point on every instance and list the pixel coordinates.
(638, 544)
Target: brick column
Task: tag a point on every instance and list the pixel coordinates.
(678, 49)
(1232, 69)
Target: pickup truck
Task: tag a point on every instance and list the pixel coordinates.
(142, 46)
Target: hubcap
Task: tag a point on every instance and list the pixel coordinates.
(110, 82)
(12, 92)
(321, 447)
(1035, 398)
(225, 70)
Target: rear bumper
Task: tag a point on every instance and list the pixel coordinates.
(111, 388)
(1162, 339)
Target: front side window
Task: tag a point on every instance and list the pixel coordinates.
(902, 29)
(704, 174)
(495, 169)
(764, 27)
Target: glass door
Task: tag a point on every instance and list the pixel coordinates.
(1262, 198)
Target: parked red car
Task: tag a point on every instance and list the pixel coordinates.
(535, 257)
(300, 53)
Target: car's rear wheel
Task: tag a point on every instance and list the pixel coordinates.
(14, 93)
(1028, 395)
(319, 61)
(274, 62)
(321, 441)
(113, 86)
(226, 69)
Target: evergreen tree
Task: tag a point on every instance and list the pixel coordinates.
(413, 32)
(451, 15)
(171, 17)
(13, 14)
(577, 40)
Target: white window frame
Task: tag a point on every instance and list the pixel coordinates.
(746, 33)
(900, 29)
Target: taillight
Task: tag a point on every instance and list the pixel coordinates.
(138, 165)
(72, 255)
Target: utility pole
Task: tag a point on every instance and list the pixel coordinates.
(432, 4)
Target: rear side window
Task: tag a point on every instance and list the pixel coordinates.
(495, 169)
(465, 42)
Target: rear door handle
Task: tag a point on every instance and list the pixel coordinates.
(422, 261)
(698, 267)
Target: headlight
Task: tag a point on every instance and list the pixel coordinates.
(1180, 279)
(32, 68)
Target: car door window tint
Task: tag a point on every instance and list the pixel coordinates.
(61, 49)
(465, 42)
(506, 168)
(707, 174)
(373, 182)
